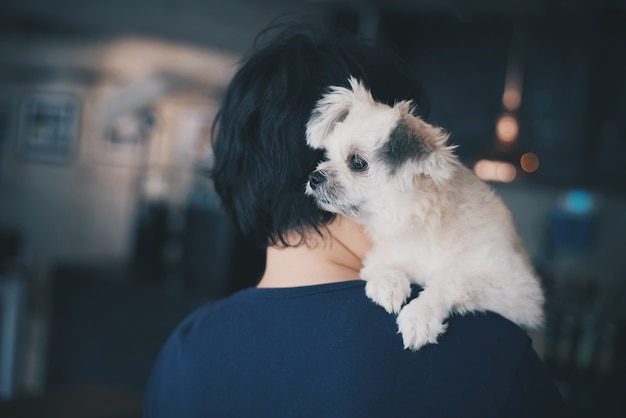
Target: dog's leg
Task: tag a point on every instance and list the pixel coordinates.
(422, 320)
(389, 287)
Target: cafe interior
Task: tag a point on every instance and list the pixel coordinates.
(111, 232)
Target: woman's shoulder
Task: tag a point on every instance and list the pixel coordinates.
(476, 332)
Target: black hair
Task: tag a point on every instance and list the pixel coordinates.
(261, 158)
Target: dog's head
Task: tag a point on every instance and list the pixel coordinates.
(372, 149)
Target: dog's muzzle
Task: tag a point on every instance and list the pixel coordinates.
(316, 178)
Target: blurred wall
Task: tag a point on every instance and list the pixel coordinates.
(82, 209)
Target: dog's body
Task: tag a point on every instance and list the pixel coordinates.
(430, 219)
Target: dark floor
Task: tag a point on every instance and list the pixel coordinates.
(84, 402)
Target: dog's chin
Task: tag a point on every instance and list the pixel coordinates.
(323, 203)
(326, 200)
(340, 208)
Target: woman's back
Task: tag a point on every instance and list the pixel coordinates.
(328, 351)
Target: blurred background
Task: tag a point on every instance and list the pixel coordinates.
(110, 232)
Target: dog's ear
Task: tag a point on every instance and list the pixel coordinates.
(441, 163)
(332, 109)
(403, 145)
(421, 145)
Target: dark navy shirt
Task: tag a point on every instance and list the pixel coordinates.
(328, 351)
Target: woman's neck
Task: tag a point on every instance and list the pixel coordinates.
(335, 257)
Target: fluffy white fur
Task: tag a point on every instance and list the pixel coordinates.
(431, 220)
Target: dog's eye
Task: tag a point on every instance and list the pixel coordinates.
(357, 163)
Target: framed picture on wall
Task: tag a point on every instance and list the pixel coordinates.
(49, 127)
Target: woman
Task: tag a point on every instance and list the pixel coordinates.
(306, 341)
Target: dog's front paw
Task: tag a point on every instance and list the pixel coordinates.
(420, 324)
(389, 292)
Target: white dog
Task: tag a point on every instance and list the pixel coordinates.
(430, 219)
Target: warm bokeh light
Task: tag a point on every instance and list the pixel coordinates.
(507, 128)
(499, 171)
(529, 162)
(512, 98)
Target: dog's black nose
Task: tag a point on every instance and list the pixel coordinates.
(316, 178)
